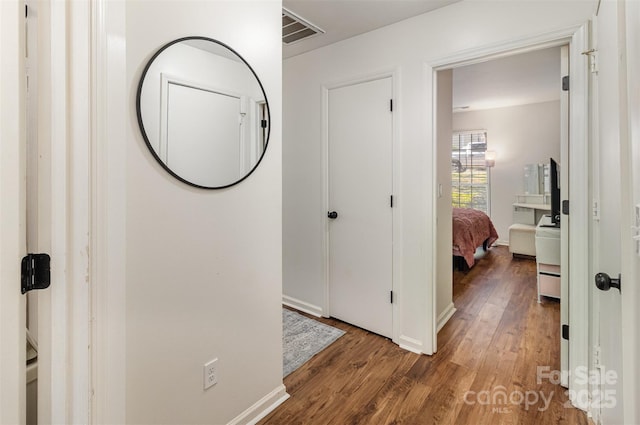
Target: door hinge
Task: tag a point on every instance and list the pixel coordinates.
(36, 272)
(26, 11)
(391, 297)
(565, 207)
(263, 123)
(565, 83)
(565, 332)
(391, 105)
(591, 55)
(391, 201)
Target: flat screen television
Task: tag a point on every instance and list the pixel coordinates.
(554, 182)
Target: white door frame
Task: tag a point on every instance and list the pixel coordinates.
(64, 309)
(110, 116)
(577, 38)
(630, 146)
(82, 120)
(396, 211)
(12, 213)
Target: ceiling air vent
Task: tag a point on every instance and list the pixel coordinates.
(294, 28)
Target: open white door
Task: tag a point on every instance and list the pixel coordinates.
(12, 213)
(579, 219)
(564, 230)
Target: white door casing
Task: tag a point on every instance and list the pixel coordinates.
(577, 38)
(12, 213)
(63, 208)
(611, 208)
(360, 188)
(108, 244)
(630, 157)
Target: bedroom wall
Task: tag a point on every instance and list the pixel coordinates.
(203, 268)
(520, 135)
(407, 47)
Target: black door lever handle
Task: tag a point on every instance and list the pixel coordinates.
(604, 282)
(332, 215)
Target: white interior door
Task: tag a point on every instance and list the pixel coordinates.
(12, 213)
(360, 188)
(203, 135)
(564, 230)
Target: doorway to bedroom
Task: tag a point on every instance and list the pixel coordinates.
(506, 117)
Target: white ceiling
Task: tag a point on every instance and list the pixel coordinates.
(514, 80)
(342, 19)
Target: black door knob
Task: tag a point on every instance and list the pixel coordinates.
(332, 215)
(604, 282)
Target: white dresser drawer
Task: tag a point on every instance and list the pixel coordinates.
(549, 269)
(548, 250)
(549, 285)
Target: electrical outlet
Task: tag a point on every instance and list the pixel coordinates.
(210, 373)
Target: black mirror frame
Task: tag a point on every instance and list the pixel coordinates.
(144, 133)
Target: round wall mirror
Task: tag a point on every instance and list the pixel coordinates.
(203, 112)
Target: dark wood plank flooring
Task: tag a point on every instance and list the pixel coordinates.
(488, 351)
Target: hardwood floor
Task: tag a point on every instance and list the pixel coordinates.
(488, 351)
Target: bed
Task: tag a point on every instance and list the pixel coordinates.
(471, 229)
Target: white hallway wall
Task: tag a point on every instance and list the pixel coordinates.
(203, 268)
(525, 134)
(406, 46)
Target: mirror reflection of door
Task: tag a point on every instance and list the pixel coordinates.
(203, 112)
(203, 135)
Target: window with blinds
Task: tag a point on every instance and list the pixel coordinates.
(469, 173)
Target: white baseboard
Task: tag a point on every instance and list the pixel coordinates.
(444, 317)
(314, 310)
(501, 242)
(262, 407)
(410, 344)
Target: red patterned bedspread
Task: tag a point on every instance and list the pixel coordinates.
(470, 229)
